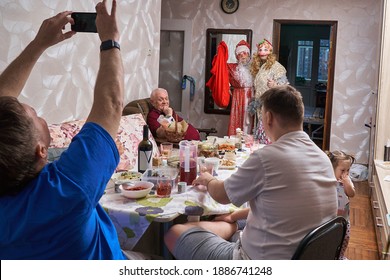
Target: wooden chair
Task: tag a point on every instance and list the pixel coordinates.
(323, 242)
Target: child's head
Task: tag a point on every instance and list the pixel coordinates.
(341, 162)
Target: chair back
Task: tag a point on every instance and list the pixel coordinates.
(138, 106)
(323, 242)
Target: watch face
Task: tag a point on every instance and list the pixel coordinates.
(229, 6)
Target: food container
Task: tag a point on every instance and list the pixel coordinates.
(207, 149)
(152, 175)
(136, 189)
(228, 145)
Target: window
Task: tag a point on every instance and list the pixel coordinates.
(323, 61)
(304, 61)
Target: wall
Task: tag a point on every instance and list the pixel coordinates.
(357, 55)
(61, 85)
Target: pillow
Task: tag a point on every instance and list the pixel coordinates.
(129, 135)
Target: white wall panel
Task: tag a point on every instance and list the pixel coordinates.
(357, 55)
(61, 85)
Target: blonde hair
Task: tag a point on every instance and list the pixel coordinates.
(257, 62)
(337, 156)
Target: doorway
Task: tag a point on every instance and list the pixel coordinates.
(307, 50)
(175, 55)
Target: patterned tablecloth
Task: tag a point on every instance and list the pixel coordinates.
(132, 217)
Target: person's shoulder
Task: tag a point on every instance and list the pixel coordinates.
(277, 65)
(153, 112)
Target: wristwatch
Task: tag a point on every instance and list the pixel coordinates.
(109, 44)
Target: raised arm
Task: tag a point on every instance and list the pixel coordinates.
(14, 77)
(108, 95)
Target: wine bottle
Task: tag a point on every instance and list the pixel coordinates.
(145, 151)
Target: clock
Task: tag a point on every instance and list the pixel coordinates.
(229, 6)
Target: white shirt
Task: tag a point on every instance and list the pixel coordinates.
(291, 189)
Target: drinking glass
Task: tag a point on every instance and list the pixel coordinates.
(164, 186)
(166, 149)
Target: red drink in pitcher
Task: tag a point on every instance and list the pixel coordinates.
(190, 176)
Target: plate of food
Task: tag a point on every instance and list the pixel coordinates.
(126, 176)
(227, 164)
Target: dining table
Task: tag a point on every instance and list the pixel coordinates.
(132, 217)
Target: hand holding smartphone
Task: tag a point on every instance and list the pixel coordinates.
(84, 22)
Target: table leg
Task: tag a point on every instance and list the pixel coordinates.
(165, 252)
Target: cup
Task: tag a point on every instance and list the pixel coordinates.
(166, 149)
(214, 162)
(248, 138)
(156, 161)
(164, 186)
(206, 167)
(255, 145)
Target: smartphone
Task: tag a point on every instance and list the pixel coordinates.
(84, 22)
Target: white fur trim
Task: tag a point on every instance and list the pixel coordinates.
(242, 49)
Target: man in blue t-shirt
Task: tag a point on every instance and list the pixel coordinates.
(51, 210)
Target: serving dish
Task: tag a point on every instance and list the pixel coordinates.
(126, 176)
(227, 164)
(136, 189)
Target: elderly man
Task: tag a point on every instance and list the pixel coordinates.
(161, 115)
(290, 187)
(52, 210)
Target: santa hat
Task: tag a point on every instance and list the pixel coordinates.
(242, 46)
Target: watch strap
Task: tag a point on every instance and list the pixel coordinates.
(109, 44)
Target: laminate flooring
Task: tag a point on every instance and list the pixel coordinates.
(362, 245)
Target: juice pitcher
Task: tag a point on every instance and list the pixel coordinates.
(188, 161)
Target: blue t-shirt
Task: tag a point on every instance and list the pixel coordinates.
(57, 215)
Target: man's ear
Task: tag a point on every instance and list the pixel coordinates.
(269, 118)
(41, 151)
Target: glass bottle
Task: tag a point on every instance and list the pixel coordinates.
(145, 151)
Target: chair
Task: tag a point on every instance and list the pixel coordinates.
(138, 106)
(323, 242)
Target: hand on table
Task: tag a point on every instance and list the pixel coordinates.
(203, 179)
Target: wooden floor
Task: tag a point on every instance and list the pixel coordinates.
(362, 245)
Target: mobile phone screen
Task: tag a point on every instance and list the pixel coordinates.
(84, 22)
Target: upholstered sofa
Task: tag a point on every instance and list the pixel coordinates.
(129, 135)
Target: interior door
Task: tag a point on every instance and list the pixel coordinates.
(175, 55)
(318, 38)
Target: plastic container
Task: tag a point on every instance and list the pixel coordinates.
(152, 175)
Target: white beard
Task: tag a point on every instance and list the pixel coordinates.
(244, 75)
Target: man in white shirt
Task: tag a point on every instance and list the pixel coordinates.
(290, 187)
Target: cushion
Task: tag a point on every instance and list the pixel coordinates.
(129, 135)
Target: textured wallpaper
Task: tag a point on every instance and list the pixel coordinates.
(61, 85)
(357, 55)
